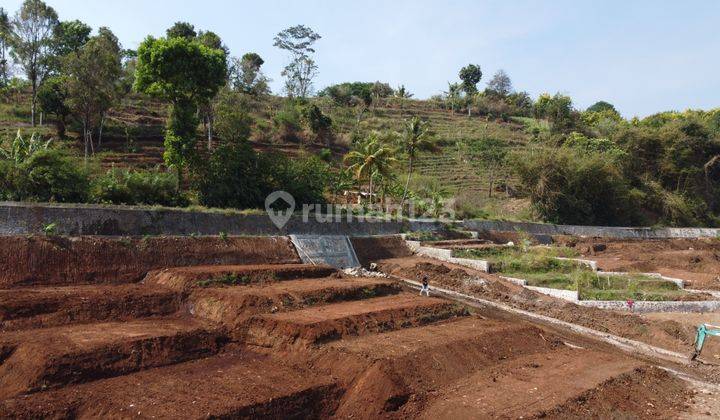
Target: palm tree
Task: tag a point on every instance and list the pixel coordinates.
(416, 138)
(371, 156)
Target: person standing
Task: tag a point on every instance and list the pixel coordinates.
(425, 286)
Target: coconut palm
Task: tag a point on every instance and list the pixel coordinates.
(372, 155)
(415, 138)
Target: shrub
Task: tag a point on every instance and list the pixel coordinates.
(317, 122)
(231, 178)
(575, 187)
(287, 122)
(236, 176)
(48, 175)
(122, 186)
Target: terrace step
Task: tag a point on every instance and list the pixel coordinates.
(381, 381)
(530, 385)
(233, 305)
(39, 307)
(326, 323)
(185, 278)
(225, 386)
(47, 358)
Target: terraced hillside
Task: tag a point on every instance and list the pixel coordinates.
(133, 136)
(290, 340)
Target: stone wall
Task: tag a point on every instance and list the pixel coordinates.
(601, 231)
(75, 220)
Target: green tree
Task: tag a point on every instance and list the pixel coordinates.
(69, 37)
(5, 41)
(370, 156)
(232, 122)
(489, 154)
(602, 106)
(470, 76)
(298, 41)
(416, 138)
(186, 73)
(93, 76)
(52, 97)
(246, 76)
(33, 27)
(181, 30)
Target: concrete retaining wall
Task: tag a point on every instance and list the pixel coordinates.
(333, 250)
(602, 231)
(29, 218)
(646, 306)
(446, 255)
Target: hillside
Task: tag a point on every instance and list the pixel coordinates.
(133, 138)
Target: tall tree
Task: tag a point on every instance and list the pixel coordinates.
(246, 76)
(5, 40)
(69, 37)
(416, 137)
(500, 84)
(300, 72)
(93, 76)
(470, 76)
(33, 27)
(187, 74)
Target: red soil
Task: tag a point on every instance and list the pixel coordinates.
(186, 278)
(373, 248)
(94, 260)
(314, 345)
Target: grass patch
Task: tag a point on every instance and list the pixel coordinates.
(231, 279)
(540, 267)
(635, 286)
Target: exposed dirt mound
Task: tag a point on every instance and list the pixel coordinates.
(327, 323)
(647, 392)
(24, 308)
(66, 261)
(373, 248)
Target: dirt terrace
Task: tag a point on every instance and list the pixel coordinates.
(697, 261)
(292, 341)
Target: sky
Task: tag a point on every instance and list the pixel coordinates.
(641, 56)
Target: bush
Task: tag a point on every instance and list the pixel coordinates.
(317, 122)
(48, 175)
(287, 122)
(236, 176)
(231, 178)
(304, 178)
(122, 186)
(575, 187)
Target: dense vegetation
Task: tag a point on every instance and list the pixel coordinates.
(181, 121)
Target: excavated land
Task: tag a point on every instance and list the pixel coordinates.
(240, 328)
(697, 261)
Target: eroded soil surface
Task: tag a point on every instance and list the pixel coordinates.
(241, 339)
